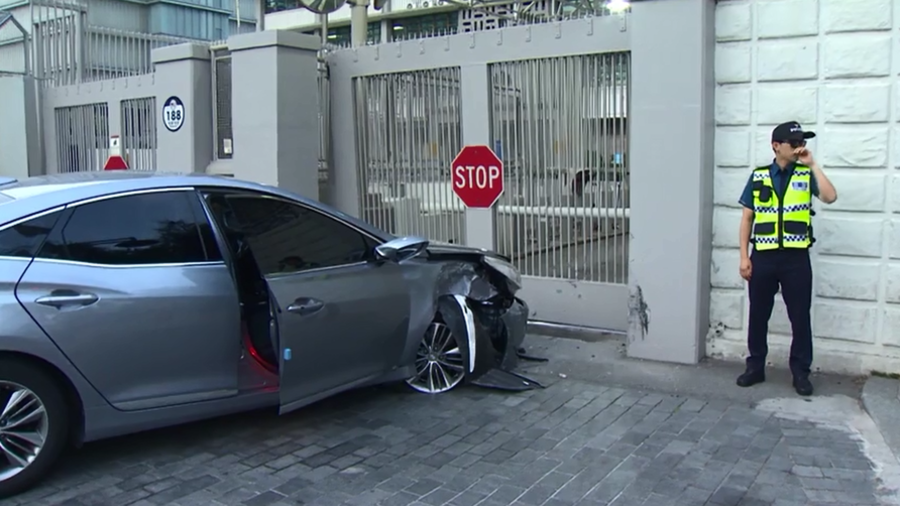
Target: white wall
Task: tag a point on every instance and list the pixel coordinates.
(832, 65)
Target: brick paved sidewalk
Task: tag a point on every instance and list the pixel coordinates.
(577, 442)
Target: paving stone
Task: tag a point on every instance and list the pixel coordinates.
(574, 443)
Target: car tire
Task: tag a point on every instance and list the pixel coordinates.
(432, 352)
(41, 385)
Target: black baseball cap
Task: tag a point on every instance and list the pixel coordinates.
(790, 131)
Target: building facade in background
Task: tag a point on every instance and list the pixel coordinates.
(410, 19)
(191, 19)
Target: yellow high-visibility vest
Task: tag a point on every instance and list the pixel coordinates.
(787, 223)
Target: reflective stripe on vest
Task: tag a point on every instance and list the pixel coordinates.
(782, 224)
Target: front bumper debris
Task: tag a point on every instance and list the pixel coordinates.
(504, 332)
(493, 321)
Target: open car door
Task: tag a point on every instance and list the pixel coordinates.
(342, 319)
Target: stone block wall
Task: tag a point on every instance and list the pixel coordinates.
(832, 65)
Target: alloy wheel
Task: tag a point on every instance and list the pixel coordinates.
(439, 362)
(23, 428)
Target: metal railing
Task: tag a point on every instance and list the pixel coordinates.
(82, 137)
(68, 49)
(408, 132)
(411, 132)
(220, 59)
(139, 134)
(560, 127)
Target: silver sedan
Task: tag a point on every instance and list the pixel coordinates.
(131, 301)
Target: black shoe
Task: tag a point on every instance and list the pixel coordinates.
(803, 386)
(750, 378)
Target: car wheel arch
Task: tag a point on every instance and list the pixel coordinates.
(69, 391)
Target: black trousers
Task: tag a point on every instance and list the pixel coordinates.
(792, 270)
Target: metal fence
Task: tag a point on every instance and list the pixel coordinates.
(138, 118)
(221, 95)
(559, 125)
(68, 49)
(82, 137)
(408, 132)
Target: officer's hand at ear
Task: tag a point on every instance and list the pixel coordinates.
(746, 268)
(804, 156)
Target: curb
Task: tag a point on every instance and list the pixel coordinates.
(881, 399)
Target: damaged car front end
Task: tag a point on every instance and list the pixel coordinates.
(474, 324)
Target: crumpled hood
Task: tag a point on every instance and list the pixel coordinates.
(456, 249)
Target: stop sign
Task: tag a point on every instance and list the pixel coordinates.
(477, 176)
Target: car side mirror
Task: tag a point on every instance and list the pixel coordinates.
(401, 249)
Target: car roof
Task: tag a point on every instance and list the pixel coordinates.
(23, 197)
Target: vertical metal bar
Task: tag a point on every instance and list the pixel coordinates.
(548, 72)
(426, 197)
(78, 47)
(624, 89)
(59, 47)
(214, 74)
(61, 137)
(151, 126)
(32, 46)
(80, 134)
(606, 157)
(126, 132)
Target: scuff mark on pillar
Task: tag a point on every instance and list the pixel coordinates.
(638, 311)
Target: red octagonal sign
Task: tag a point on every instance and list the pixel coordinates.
(477, 176)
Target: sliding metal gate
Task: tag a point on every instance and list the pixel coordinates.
(408, 132)
(559, 124)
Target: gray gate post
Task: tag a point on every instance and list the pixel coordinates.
(20, 152)
(475, 84)
(184, 72)
(275, 111)
(672, 130)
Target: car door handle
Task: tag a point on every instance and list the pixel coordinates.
(305, 306)
(60, 298)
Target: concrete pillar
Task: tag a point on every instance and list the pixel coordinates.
(275, 109)
(184, 71)
(671, 157)
(475, 88)
(20, 146)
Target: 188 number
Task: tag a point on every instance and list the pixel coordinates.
(173, 115)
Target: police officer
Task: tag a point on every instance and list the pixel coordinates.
(777, 222)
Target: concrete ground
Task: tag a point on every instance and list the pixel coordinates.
(606, 430)
(881, 399)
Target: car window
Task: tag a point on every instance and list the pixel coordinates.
(286, 237)
(150, 228)
(210, 245)
(24, 239)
